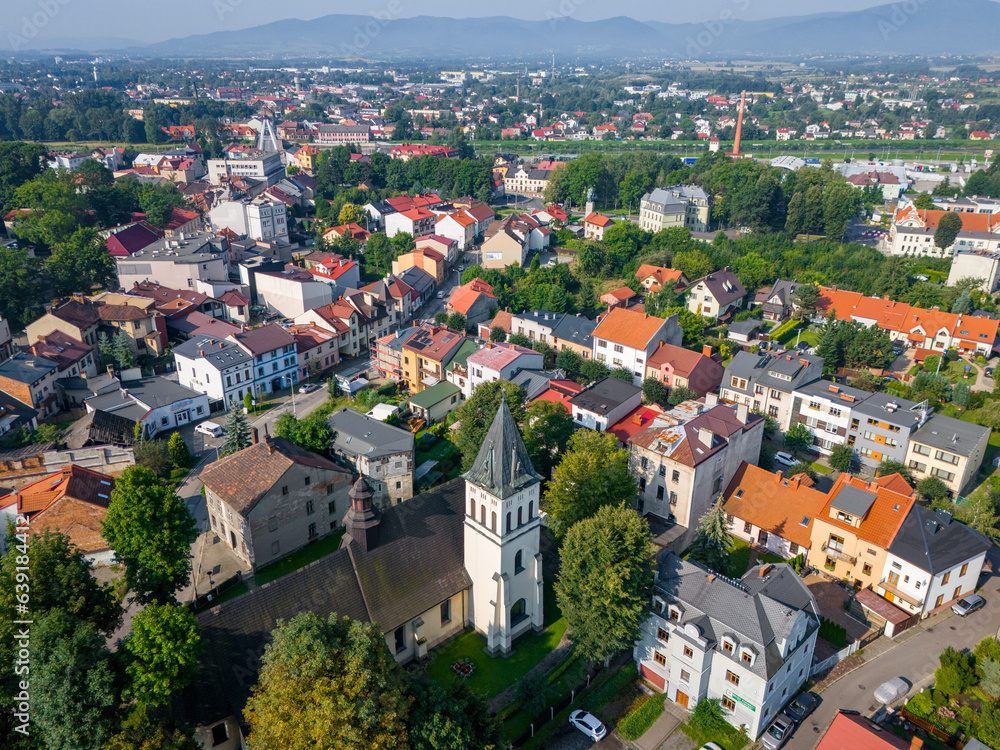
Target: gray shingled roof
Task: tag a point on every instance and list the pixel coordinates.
(356, 434)
(756, 369)
(605, 395)
(950, 434)
(935, 542)
(503, 466)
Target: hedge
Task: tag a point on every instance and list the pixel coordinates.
(565, 664)
(639, 721)
(784, 332)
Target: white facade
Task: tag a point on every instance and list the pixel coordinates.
(292, 296)
(177, 414)
(480, 370)
(976, 264)
(261, 219)
(929, 592)
(226, 384)
(265, 167)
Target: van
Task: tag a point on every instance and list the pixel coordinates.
(209, 428)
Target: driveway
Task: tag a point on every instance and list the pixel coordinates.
(913, 656)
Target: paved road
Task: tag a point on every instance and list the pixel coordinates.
(914, 660)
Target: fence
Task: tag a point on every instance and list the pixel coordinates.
(936, 732)
(822, 666)
(215, 593)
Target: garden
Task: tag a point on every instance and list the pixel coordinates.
(708, 724)
(962, 703)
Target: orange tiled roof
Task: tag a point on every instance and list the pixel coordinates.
(73, 481)
(599, 220)
(628, 327)
(465, 296)
(78, 520)
(880, 524)
(928, 218)
(774, 503)
(660, 274)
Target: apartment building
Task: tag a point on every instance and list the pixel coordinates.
(949, 449)
(426, 354)
(627, 338)
(498, 362)
(250, 163)
(881, 426)
(261, 219)
(221, 369)
(275, 361)
(675, 206)
(765, 382)
(75, 318)
(383, 454)
(32, 381)
(177, 262)
(292, 291)
(677, 367)
(827, 409)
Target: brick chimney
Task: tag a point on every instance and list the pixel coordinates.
(916, 743)
(254, 435)
(778, 476)
(706, 350)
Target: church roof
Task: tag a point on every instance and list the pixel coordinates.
(503, 466)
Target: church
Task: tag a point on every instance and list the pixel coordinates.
(465, 553)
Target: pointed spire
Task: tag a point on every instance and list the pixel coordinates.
(502, 466)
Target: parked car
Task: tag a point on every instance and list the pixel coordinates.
(710, 746)
(803, 705)
(589, 724)
(891, 690)
(968, 604)
(989, 372)
(786, 459)
(440, 295)
(778, 733)
(211, 429)
(309, 387)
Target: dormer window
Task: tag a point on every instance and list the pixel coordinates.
(675, 614)
(728, 646)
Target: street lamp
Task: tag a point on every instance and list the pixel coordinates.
(291, 387)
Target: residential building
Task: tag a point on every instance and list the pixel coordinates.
(318, 349)
(292, 291)
(983, 265)
(435, 403)
(457, 370)
(446, 246)
(890, 185)
(15, 414)
(653, 278)
(458, 226)
(357, 318)
(537, 325)
(675, 366)
(387, 353)
(620, 297)
(249, 163)
(881, 428)
(851, 536)
(144, 328)
(574, 333)
(771, 511)
(217, 367)
(416, 222)
(603, 403)
(851, 730)
(131, 238)
(156, 403)
(595, 225)
(268, 500)
(498, 362)
(511, 241)
(6, 349)
(675, 206)
(275, 361)
(32, 381)
(72, 358)
(717, 295)
(748, 643)
(177, 262)
(339, 273)
(827, 409)
(398, 297)
(474, 300)
(259, 218)
(430, 261)
(912, 233)
(765, 382)
(949, 449)
(75, 318)
(778, 302)
(526, 181)
(383, 454)
(684, 459)
(426, 354)
(341, 134)
(627, 338)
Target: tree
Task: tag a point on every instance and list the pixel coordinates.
(712, 541)
(441, 318)
(498, 334)
(80, 263)
(121, 351)
(153, 455)
(961, 393)
(963, 304)
(591, 370)
(457, 322)
(519, 339)
(796, 214)
(988, 725)
(237, 435)
(932, 490)
(923, 202)
(806, 296)
(180, 456)
(143, 731)
(654, 391)
(477, 412)
(622, 373)
(351, 213)
(20, 286)
(798, 438)
(708, 715)
(891, 466)
(533, 692)
(955, 675)
(679, 394)
(569, 361)
(548, 429)
(840, 205)
(328, 683)
(947, 230)
(161, 653)
(454, 719)
(842, 458)
(311, 432)
(73, 673)
(605, 580)
(588, 299)
(247, 401)
(151, 531)
(593, 473)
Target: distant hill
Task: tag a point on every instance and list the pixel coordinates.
(934, 27)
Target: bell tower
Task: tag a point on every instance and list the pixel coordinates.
(502, 536)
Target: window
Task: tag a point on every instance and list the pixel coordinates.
(964, 569)
(685, 676)
(675, 615)
(728, 703)
(520, 519)
(310, 508)
(747, 527)
(688, 653)
(517, 613)
(518, 567)
(866, 569)
(841, 516)
(663, 470)
(747, 657)
(445, 612)
(675, 476)
(400, 638)
(727, 646)
(531, 509)
(508, 522)
(272, 523)
(308, 480)
(793, 548)
(944, 580)
(284, 490)
(673, 498)
(220, 733)
(659, 658)
(275, 547)
(493, 522)
(717, 484)
(937, 602)
(923, 450)
(659, 492)
(619, 349)
(944, 476)
(732, 677)
(835, 543)
(662, 635)
(644, 462)
(948, 458)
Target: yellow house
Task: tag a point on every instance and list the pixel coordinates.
(430, 261)
(305, 157)
(425, 355)
(850, 537)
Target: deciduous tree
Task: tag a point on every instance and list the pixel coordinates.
(549, 426)
(947, 230)
(161, 653)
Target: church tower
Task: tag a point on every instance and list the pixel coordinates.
(502, 536)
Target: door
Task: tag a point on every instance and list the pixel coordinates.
(762, 538)
(682, 699)
(889, 596)
(893, 578)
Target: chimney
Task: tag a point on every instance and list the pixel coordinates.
(916, 743)
(764, 570)
(778, 476)
(255, 435)
(201, 352)
(711, 399)
(705, 436)
(742, 413)
(706, 350)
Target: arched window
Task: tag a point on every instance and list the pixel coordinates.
(531, 509)
(508, 522)
(493, 524)
(519, 512)
(517, 613)
(472, 507)
(482, 515)
(518, 567)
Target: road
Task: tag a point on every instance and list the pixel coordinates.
(914, 660)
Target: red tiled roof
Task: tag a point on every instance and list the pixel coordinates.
(73, 481)
(855, 732)
(774, 503)
(880, 524)
(628, 327)
(599, 220)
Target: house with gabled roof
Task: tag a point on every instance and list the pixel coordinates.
(716, 295)
(653, 278)
(474, 300)
(628, 338)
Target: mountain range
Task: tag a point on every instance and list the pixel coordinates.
(914, 27)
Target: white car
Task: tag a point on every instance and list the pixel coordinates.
(891, 690)
(710, 746)
(786, 459)
(440, 295)
(589, 724)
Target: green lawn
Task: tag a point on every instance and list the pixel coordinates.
(493, 675)
(820, 468)
(727, 737)
(739, 558)
(810, 336)
(955, 372)
(767, 557)
(237, 589)
(299, 559)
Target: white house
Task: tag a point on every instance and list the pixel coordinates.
(604, 403)
(715, 295)
(748, 643)
(292, 291)
(627, 338)
(498, 362)
(221, 369)
(263, 219)
(275, 360)
(826, 409)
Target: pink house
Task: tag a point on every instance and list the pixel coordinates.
(676, 366)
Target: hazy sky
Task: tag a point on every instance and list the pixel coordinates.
(151, 21)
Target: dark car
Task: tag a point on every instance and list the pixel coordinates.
(803, 705)
(989, 372)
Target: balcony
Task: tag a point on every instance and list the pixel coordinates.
(837, 554)
(895, 591)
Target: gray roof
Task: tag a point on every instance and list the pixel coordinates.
(26, 368)
(264, 339)
(784, 290)
(821, 389)
(399, 338)
(356, 434)
(536, 382)
(758, 368)
(605, 395)
(502, 466)
(196, 247)
(746, 326)
(218, 352)
(540, 317)
(723, 285)
(935, 542)
(665, 201)
(150, 393)
(576, 328)
(853, 500)
(890, 409)
(754, 610)
(419, 279)
(950, 434)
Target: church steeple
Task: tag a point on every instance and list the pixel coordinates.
(363, 518)
(502, 465)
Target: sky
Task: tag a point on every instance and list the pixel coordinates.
(157, 20)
